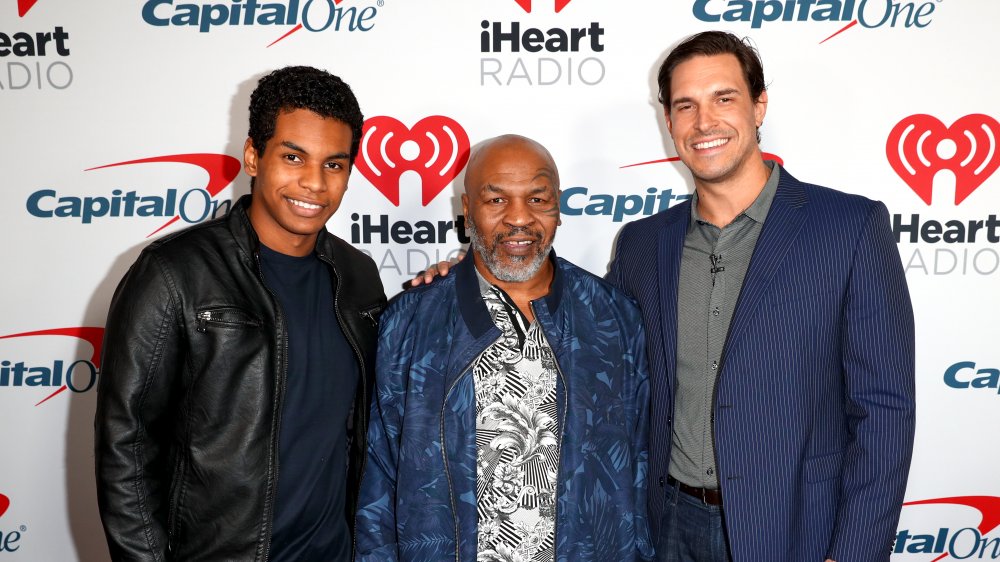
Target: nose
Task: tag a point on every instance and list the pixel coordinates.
(518, 213)
(312, 179)
(706, 119)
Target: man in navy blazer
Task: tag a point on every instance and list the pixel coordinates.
(780, 340)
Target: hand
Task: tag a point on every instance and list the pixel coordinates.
(440, 268)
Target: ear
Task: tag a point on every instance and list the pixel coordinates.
(250, 158)
(760, 108)
(465, 206)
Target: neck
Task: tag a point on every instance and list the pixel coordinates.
(719, 202)
(522, 292)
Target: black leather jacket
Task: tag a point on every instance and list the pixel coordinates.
(190, 395)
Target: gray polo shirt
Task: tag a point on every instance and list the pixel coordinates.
(713, 265)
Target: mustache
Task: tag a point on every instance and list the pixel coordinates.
(517, 231)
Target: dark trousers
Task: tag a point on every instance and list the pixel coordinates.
(691, 531)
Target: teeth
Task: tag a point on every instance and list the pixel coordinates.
(710, 144)
(303, 204)
(519, 242)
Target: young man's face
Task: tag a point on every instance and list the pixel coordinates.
(512, 205)
(712, 119)
(300, 180)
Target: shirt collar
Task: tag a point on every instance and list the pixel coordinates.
(760, 206)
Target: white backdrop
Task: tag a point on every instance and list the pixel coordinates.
(901, 107)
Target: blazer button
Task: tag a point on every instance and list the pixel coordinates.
(662, 481)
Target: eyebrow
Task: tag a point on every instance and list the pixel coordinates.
(715, 94)
(297, 148)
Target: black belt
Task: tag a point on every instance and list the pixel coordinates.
(708, 496)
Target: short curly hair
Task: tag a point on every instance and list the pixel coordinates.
(302, 87)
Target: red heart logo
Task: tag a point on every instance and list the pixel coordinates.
(436, 148)
(4, 504)
(919, 146)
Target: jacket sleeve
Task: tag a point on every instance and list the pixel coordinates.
(132, 436)
(615, 275)
(640, 440)
(375, 532)
(877, 356)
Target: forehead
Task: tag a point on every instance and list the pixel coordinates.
(711, 72)
(303, 123)
(510, 165)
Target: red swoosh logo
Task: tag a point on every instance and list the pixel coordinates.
(23, 6)
(90, 334)
(299, 26)
(987, 506)
(222, 169)
(766, 155)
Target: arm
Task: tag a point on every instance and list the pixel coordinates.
(375, 533)
(640, 441)
(140, 364)
(877, 355)
(615, 275)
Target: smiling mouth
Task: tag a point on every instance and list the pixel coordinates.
(303, 204)
(710, 144)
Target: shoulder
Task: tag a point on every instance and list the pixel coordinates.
(590, 289)
(823, 200)
(424, 300)
(654, 223)
(208, 238)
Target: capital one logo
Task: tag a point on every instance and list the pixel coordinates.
(192, 205)
(436, 148)
(920, 146)
(9, 539)
(968, 542)
(58, 375)
(526, 5)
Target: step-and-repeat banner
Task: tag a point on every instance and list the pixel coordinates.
(121, 122)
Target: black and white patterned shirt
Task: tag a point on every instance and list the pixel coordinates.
(517, 438)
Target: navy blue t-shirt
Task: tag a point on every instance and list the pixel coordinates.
(310, 518)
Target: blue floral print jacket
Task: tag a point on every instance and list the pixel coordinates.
(418, 493)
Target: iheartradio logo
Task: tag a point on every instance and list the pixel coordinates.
(920, 146)
(4, 504)
(436, 148)
(526, 5)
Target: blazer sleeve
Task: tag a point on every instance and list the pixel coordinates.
(375, 531)
(140, 365)
(877, 356)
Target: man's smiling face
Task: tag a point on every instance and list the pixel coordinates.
(300, 179)
(713, 119)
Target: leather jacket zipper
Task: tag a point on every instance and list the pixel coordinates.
(280, 391)
(363, 434)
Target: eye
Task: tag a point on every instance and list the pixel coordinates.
(725, 99)
(292, 158)
(334, 166)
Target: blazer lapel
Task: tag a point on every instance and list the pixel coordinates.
(670, 246)
(782, 225)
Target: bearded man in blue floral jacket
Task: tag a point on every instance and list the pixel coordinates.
(509, 421)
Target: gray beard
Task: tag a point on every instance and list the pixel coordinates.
(523, 269)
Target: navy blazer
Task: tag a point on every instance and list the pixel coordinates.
(814, 404)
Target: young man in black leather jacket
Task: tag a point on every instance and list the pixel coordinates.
(233, 403)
